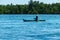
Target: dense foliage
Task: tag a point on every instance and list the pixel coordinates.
(34, 7)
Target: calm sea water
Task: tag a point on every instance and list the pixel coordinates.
(12, 27)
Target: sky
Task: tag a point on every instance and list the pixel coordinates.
(4, 2)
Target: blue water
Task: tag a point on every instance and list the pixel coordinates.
(12, 27)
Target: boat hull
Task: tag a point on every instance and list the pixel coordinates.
(32, 20)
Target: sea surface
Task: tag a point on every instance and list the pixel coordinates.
(12, 27)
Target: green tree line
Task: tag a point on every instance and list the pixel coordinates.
(33, 7)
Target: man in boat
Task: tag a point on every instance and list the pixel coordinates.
(36, 19)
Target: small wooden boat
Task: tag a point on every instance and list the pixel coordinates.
(36, 20)
(32, 20)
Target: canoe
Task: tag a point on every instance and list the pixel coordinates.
(32, 20)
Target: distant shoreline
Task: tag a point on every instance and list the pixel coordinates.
(33, 7)
(32, 14)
